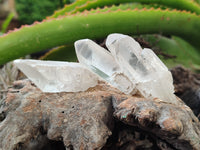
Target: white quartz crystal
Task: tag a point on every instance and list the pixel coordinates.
(142, 66)
(55, 76)
(100, 61)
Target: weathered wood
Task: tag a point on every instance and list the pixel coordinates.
(174, 124)
(30, 119)
(187, 87)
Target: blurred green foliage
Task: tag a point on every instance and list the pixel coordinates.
(198, 1)
(32, 10)
(71, 1)
(6, 23)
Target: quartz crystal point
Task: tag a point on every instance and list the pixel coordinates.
(142, 66)
(55, 76)
(100, 61)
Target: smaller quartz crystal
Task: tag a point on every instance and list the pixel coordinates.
(55, 76)
(100, 61)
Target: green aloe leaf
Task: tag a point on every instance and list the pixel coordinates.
(174, 51)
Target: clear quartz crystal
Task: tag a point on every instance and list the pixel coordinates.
(100, 61)
(127, 67)
(142, 66)
(55, 76)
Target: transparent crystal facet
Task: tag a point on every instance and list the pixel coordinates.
(57, 76)
(142, 66)
(100, 61)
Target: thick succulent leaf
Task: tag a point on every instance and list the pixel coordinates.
(81, 5)
(174, 51)
(63, 30)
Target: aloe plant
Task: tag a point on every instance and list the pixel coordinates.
(84, 19)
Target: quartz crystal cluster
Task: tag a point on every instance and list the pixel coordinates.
(125, 65)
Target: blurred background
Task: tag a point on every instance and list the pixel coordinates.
(18, 12)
